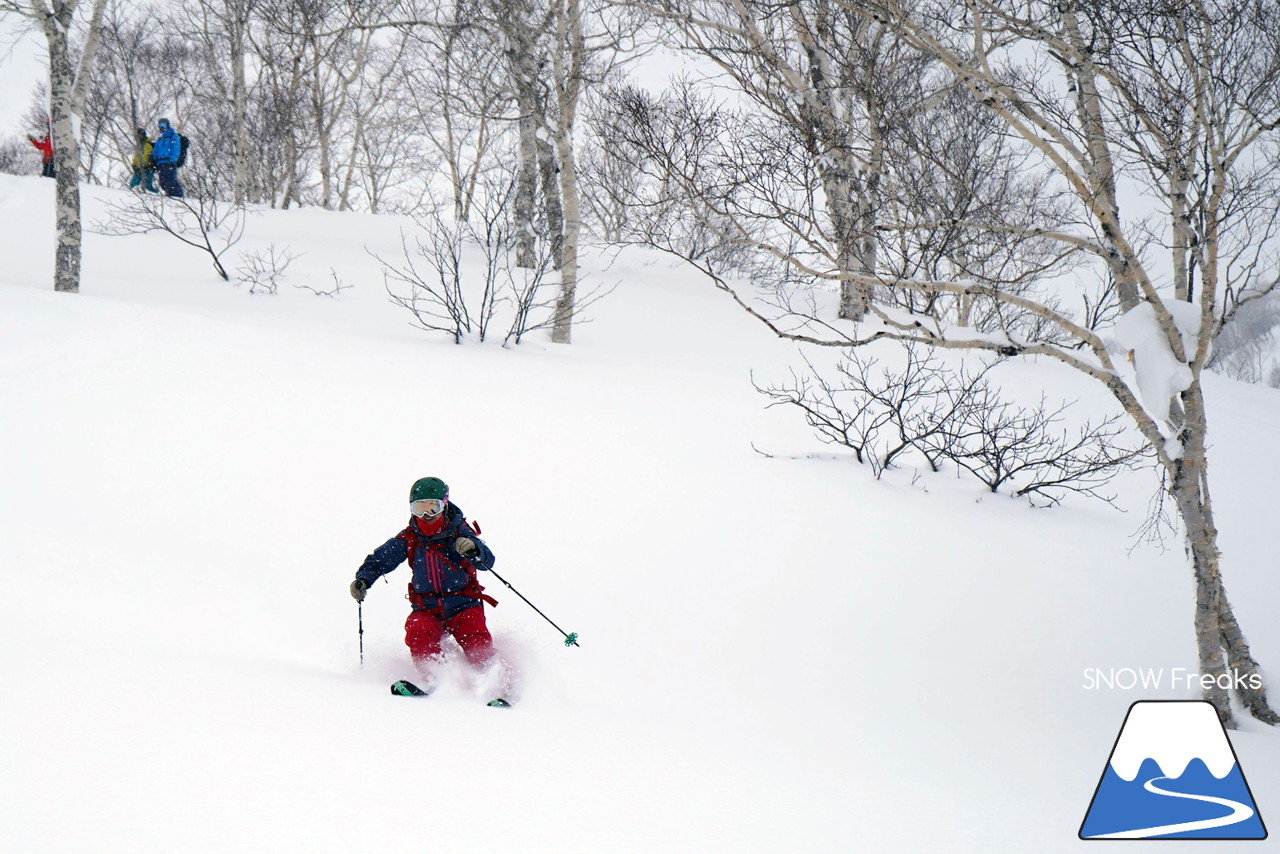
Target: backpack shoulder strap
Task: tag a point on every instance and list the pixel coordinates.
(473, 590)
(410, 538)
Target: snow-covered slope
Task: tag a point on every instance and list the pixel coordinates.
(778, 653)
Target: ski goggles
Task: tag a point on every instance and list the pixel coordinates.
(428, 506)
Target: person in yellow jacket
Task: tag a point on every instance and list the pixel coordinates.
(144, 171)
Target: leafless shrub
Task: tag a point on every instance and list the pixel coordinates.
(532, 310)
(880, 415)
(1032, 452)
(338, 286)
(491, 229)
(199, 220)
(521, 286)
(435, 295)
(430, 283)
(264, 270)
(633, 195)
(883, 414)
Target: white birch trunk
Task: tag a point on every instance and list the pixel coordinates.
(68, 84)
(1100, 168)
(550, 174)
(1223, 652)
(240, 102)
(837, 163)
(567, 61)
(323, 136)
(524, 87)
(566, 305)
(526, 185)
(66, 158)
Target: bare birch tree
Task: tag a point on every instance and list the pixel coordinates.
(1091, 93)
(835, 83)
(554, 52)
(588, 41)
(333, 42)
(224, 27)
(123, 94)
(454, 95)
(567, 62)
(524, 29)
(374, 115)
(69, 76)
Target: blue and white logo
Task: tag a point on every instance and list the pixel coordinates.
(1172, 775)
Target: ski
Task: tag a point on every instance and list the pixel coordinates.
(405, 688)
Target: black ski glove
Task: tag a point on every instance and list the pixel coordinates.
(358, 587)
(466, 547)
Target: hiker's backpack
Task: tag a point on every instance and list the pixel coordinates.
(183, 145)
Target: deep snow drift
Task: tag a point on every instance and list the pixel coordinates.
(778, 653)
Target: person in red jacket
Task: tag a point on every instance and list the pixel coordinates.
(45, 146)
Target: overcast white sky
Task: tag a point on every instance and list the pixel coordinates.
(21, 67)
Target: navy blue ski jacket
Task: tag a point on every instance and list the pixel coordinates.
(442, 581)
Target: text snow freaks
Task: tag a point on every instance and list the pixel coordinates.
(1160, 678)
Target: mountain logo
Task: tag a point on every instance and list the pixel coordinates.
(1172, 774)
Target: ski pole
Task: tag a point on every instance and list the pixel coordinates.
(570, 638)
(360, 617)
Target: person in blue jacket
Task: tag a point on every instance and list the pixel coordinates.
(444, 554)
(165, 153)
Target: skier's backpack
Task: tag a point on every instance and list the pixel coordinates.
(183, 145)
(473, 590)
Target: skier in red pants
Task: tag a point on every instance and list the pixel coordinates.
(445, 554)
(424, 630)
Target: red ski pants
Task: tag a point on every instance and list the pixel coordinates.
(424, 630)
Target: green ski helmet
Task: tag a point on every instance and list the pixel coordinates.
(429, 487)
